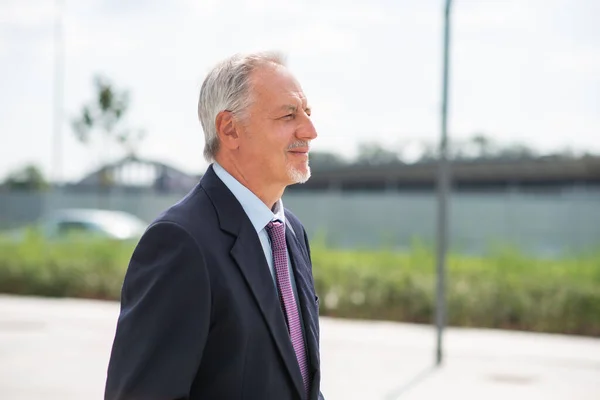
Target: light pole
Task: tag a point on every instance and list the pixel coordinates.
(443, 194)
(58, 87)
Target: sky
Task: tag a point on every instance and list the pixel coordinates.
(521, 71)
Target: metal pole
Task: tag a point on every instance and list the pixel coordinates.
(443, 189)
(58, 84)
(51, 199)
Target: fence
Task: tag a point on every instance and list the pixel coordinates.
(545, 224)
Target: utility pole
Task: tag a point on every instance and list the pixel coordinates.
(58, 91)
(443, 194)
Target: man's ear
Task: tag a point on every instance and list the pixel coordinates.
(227, 130)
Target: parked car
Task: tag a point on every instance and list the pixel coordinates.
(82, 223)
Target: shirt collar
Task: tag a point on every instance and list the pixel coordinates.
(258, 213)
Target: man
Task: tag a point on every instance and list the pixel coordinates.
(218, 301)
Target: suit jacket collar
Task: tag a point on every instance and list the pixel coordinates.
(230, 214)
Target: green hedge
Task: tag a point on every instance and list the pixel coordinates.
(504, 289)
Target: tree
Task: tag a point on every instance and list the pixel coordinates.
(485, 145)
(320, 160)
(105, 113)
(374, 154)
(29, 177)
(517, 151)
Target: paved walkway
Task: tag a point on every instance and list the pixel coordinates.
(55, 349)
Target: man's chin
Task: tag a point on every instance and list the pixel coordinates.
(297, 175)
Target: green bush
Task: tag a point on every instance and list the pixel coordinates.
(88, 268)
(504, 289)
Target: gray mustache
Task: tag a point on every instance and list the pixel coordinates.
(299, 143)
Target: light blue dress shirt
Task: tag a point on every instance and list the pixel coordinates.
(259, 215)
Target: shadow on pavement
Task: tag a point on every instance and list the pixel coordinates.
(421, 376)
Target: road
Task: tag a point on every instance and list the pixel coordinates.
(55, 349)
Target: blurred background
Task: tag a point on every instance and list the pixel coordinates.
(99, 134)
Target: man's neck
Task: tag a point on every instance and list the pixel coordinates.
(268, 194)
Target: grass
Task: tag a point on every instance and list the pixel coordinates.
(503, 289)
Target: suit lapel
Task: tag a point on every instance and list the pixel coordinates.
(306, 298)
(248, 254)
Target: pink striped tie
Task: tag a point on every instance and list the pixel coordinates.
(276, 231)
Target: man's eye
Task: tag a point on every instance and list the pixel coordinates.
(289, 116)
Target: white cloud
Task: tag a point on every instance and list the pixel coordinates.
(497, 16)
(29, 14)
(4, 48)
(203, 9)
(320, 38)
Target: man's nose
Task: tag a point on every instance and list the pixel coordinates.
(307, 131)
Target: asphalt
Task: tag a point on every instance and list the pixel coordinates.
(58, 349)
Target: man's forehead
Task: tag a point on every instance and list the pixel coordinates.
(280, 89)
(277, 79)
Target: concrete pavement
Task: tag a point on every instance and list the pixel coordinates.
(58, 349)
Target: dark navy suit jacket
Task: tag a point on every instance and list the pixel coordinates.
(200, 317)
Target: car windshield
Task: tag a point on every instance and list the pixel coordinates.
(115, 224)
(121, 225)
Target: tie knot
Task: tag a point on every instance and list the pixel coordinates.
(276, 230)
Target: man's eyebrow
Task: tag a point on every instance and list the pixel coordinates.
(289, 107)
(293, 108)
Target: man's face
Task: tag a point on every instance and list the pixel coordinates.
(277, 128)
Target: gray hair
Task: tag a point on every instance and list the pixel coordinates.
(227, 87)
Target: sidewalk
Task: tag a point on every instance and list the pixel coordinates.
(55, 349)
(395, 361)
